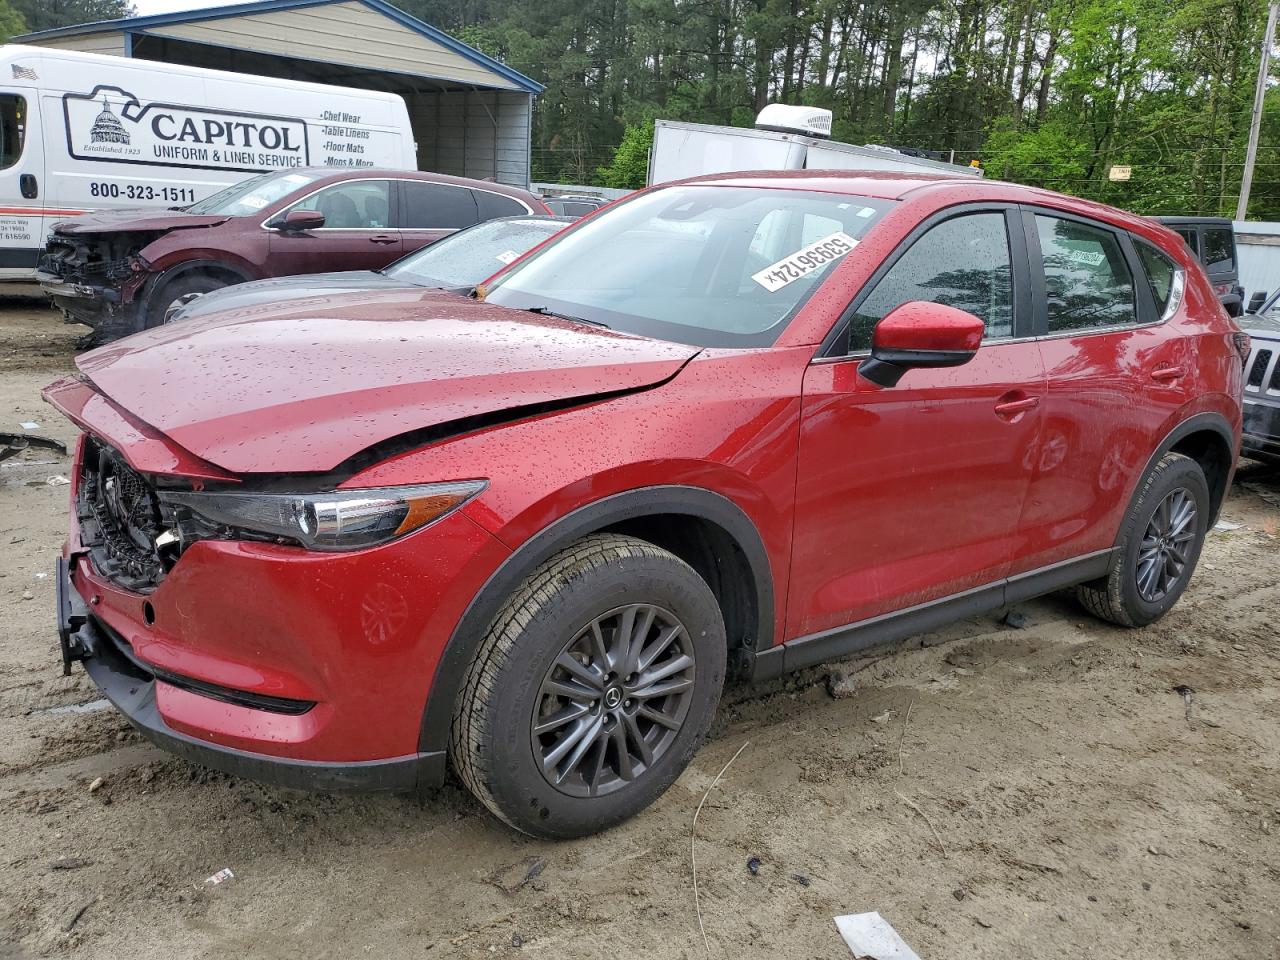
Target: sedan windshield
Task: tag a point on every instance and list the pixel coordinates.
(249, 196)
(465, 258)
(703, 265)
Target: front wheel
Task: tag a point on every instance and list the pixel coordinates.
(1160, 542)
(179, 291)
(592, 689)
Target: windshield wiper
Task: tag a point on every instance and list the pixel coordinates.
(543, 311)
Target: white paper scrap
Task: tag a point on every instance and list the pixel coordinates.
(870, 935)
(223, 874)
(29, 425)
(507, 256)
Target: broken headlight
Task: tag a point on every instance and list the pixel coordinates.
(340, 520)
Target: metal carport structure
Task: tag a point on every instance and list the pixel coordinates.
(471, 114)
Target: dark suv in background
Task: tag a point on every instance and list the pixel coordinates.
(1213, 241)
(120, 270)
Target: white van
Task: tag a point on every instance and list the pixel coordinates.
(82, 131)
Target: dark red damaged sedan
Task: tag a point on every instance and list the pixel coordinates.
(730, 426)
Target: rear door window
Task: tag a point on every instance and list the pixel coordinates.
(1219, 248)
(491, 206)
(1087, 280)
(1160, 272)
(437, 206)
(1189, 237)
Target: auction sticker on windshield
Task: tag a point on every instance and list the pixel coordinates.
(804, 261)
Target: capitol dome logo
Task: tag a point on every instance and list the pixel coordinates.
(108, 128)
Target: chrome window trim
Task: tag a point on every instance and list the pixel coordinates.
(263, 224)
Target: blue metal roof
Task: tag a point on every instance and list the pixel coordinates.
(140, 24)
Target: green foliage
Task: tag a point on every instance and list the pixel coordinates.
(47, 14)
(11, 22)
(630, 164)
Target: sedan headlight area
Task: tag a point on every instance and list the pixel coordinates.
(340, 520)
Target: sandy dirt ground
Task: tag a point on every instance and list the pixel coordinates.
(994, 792)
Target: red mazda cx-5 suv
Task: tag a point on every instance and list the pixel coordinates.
(739, 424)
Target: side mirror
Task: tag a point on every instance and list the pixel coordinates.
(296, 221)
(920, 334)
(1256, 301)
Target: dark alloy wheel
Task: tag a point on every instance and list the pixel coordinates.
(592, 689)
(1166, 545)
(1159, 544)
(614, 700)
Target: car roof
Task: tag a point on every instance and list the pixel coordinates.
(941, 189)
(331, 174)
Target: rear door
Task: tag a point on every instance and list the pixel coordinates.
(23, 199)
(1116, 371)
(429, 211)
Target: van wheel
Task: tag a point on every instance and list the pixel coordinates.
(592, 689)
(1160, 542)
(175, 290)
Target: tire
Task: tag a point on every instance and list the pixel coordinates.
(518, 668)
(175, 289)
(1125, 596)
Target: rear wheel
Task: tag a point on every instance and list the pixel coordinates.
(592, 689)
(1159, 545)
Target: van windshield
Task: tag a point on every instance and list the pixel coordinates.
(247, 197)
(710, 266)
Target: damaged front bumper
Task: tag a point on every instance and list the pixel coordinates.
(132, 687)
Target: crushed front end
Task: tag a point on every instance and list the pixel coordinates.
(96, 278)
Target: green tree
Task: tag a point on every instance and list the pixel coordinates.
(11, 22)
(48, 14)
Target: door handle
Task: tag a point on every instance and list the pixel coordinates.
(1010, 409)
(28, 186)
(1165, 374)
(383, 238)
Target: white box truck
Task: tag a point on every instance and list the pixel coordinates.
(82, 131)
(785, 137)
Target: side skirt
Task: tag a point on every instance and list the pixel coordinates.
(892, 627)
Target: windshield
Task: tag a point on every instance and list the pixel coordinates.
(249, 196)
(465, 258)
(703, 265)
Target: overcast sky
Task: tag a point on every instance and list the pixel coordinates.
(146, 8)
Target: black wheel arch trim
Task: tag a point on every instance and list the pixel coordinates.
(1198, 423)
(694, 502)
(180, 270)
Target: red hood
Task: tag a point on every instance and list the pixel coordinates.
(111, 221)
(301, 387)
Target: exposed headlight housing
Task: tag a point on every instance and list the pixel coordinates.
(336, 521)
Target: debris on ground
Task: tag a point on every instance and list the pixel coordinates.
(221, 876)
(801, 879)
(1015, 619)
(753, 865)
(57, 481)
(841, 685)
(76, 912)
(12, 444)
(871, 937)
(1188, 697)
(97, 784)
(513, 876)
(1227, 525)
(70, 863)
